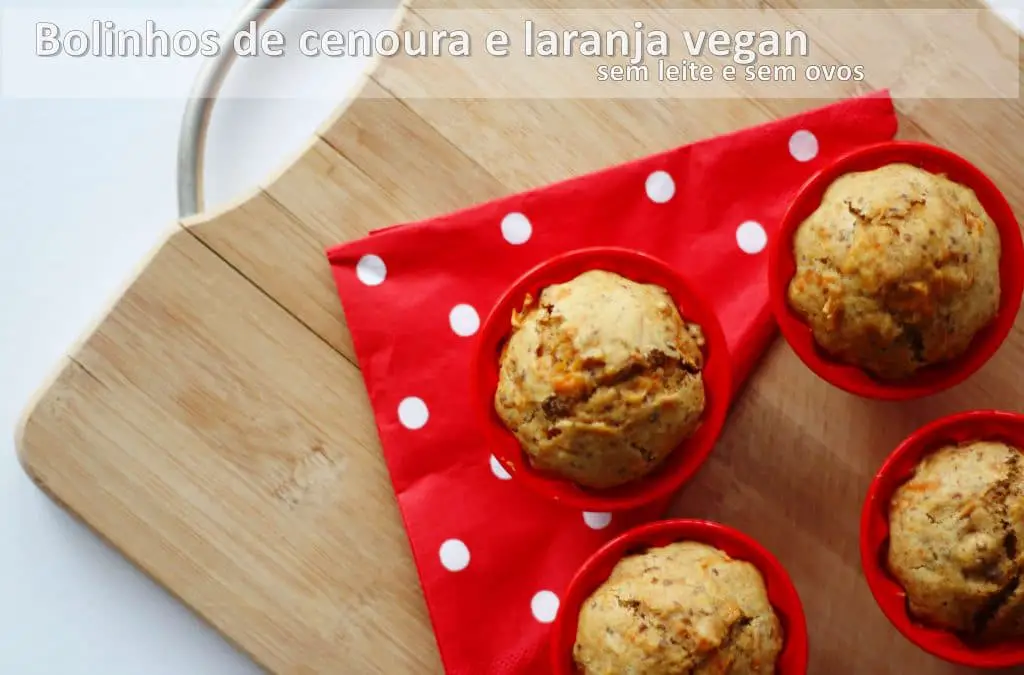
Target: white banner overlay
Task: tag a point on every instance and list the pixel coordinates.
(521, 53)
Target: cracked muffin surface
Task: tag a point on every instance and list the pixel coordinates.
(600, 379)
(686, 608)
(956, 540)
(897, 269)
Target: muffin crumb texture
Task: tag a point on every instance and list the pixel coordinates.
(957, 537)
(686, 608)
(601, 379)
(897, 269)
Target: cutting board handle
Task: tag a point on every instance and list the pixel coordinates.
(192, 138)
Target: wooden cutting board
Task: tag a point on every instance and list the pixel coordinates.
(214, 428)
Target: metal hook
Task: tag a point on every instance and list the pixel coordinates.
(192, 139)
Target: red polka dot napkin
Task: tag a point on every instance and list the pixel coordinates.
(493, 557)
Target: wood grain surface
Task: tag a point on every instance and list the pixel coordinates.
(214, 428)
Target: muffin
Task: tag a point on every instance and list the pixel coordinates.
(897, 269)
(600, 379)
(684, 608)
(957, 537)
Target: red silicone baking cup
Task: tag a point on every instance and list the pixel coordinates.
(874, 533)
(933, 379)
(684, 461)
(781, 592)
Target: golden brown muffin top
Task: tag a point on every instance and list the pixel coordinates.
(605, 326)
(682, 608)
(601, 379)
(897, 268)
(957, 540)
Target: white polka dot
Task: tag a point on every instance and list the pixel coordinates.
(516, 228)
(413, 413)
(371, 270)
(803, 145)
(660, 187)
(454, 555)
(499, 471)
(751, 237)
(464, 320)
(597, 521)
(544, 606)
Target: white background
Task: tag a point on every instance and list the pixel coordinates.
(87, 189)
